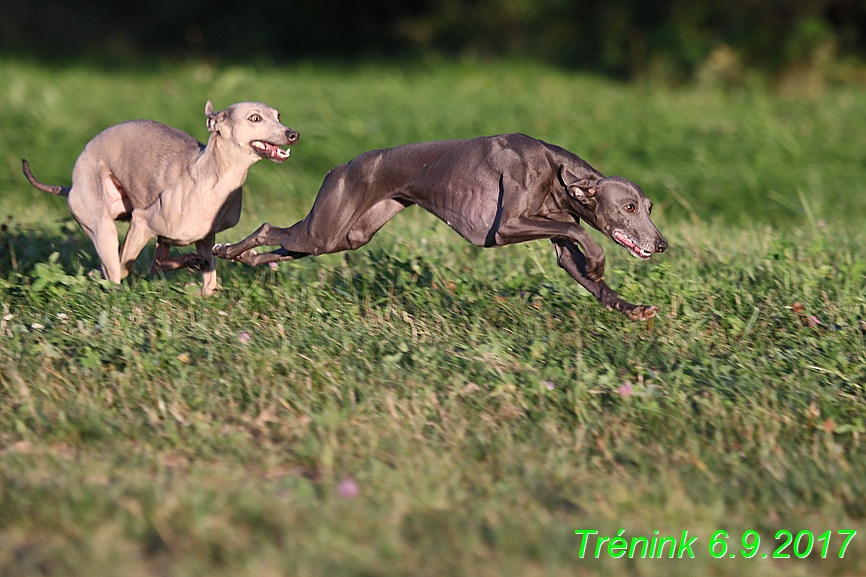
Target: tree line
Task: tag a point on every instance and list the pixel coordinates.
(616, 37)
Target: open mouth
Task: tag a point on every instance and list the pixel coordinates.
(270, 151)
(629, 243)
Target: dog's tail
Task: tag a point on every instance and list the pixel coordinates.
(52, 188)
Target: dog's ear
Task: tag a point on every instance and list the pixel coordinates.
(213, 118)
(582, 190)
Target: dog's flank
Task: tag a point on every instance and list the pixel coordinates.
(493, 191)
(169, 185)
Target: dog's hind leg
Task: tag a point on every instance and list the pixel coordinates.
(164, 262)
(95, 220)
(103, 234)
(265, 235)
(203, 260)
(370, 223)
(104, 238)
(136, 238)
(350, 207)
(299, 240)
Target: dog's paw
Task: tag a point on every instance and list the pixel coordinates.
(642, 313)
(205, 292)
(221, 250)
(248, 257)
(198, 262)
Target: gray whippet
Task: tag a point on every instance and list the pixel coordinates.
(493, 191)
(169, 185)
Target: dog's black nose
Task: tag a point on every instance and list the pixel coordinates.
(292, 136)
(661, 245)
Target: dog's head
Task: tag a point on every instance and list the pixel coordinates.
(253, 126)
(619, 209)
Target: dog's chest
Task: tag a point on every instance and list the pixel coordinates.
(470, 210)
(229, 213)
(194, 220)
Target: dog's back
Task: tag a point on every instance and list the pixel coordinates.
(144, 155)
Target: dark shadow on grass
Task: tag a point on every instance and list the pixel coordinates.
(23, 246)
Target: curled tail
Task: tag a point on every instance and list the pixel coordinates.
(52, 188)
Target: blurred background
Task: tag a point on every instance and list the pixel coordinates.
(672, 39)
(745, 111)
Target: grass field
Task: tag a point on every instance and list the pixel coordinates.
(419, 406)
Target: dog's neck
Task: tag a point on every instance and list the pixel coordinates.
(224, 163)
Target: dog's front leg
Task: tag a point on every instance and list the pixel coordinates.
(204, 248)
(569, 257)
(524, 229)
(594, 256)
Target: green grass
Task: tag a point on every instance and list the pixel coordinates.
(484, 404)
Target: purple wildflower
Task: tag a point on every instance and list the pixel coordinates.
(348, 488)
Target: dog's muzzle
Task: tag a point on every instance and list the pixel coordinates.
(270, 151)
(636, 249)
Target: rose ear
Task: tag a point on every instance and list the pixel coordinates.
(213, 118)
(582, 190)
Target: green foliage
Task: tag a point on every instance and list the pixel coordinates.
(740, 155)
(48, 277)
(483, 405)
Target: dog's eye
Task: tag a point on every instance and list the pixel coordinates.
(255, 118)
(278, 118)
(630, 208)
(650, 209)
